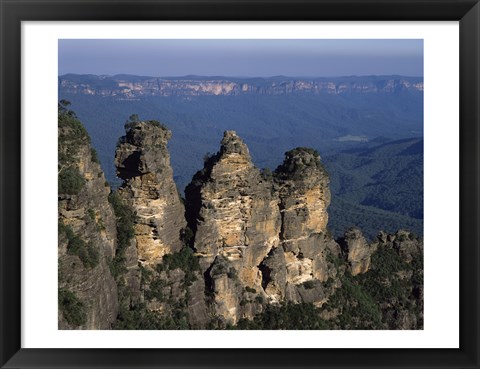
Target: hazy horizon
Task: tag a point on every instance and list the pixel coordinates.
(241, 77)
(255, 58)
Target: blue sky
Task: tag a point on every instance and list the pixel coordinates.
(242, 58)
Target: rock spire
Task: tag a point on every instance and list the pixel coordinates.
(143, 162)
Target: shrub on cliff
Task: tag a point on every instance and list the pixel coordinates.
(298, 163)
(285, 316)
(72, 308)
(72, 135)
(184, 260)
(70, 181)
(87, 252)
(139, 317)
(393, 282)
(125, 232)
(134, 119)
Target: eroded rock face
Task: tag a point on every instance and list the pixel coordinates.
(407, 245)
(143, 162)
(234, 213)
(274, 274)
(405, 252)
(304, 191)
(270, 230)
(358, 251)
(198, 312)
(87, 234)
(303, 187)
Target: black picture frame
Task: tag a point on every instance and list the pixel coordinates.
(467, 12)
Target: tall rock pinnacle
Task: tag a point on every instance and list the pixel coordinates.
(303, 187)
(143, 162)
(304, 192)
(236, 219)
(232, 204)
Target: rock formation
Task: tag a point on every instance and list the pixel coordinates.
(358, 251)
(260, 239)
(87, 233)
(234, 213)
(304, 198)
(143, 162)
(248, 242)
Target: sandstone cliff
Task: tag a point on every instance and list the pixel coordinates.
(233, 211)
(87, 233)
(260, 237)
(162, 267)
(357, 250)
(143, 162)
(304, 193)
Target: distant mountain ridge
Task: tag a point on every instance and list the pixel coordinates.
(132, 87)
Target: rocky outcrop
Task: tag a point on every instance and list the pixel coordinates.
(357, 250)
(401, 254)
(382, 286)
(143, 162)
(87, 233)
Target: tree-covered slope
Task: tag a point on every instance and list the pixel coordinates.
(379, 187)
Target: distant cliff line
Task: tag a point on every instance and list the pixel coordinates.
(132, 87)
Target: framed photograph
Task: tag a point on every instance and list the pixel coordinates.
(239, 184)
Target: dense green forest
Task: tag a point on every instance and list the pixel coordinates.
(377, 187)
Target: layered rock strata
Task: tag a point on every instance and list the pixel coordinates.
(304, 192)
(267, 235)
(234, 213)
(143, 162)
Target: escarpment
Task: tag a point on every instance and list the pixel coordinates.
(87, 292)
(249, 249)
(134, 87)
